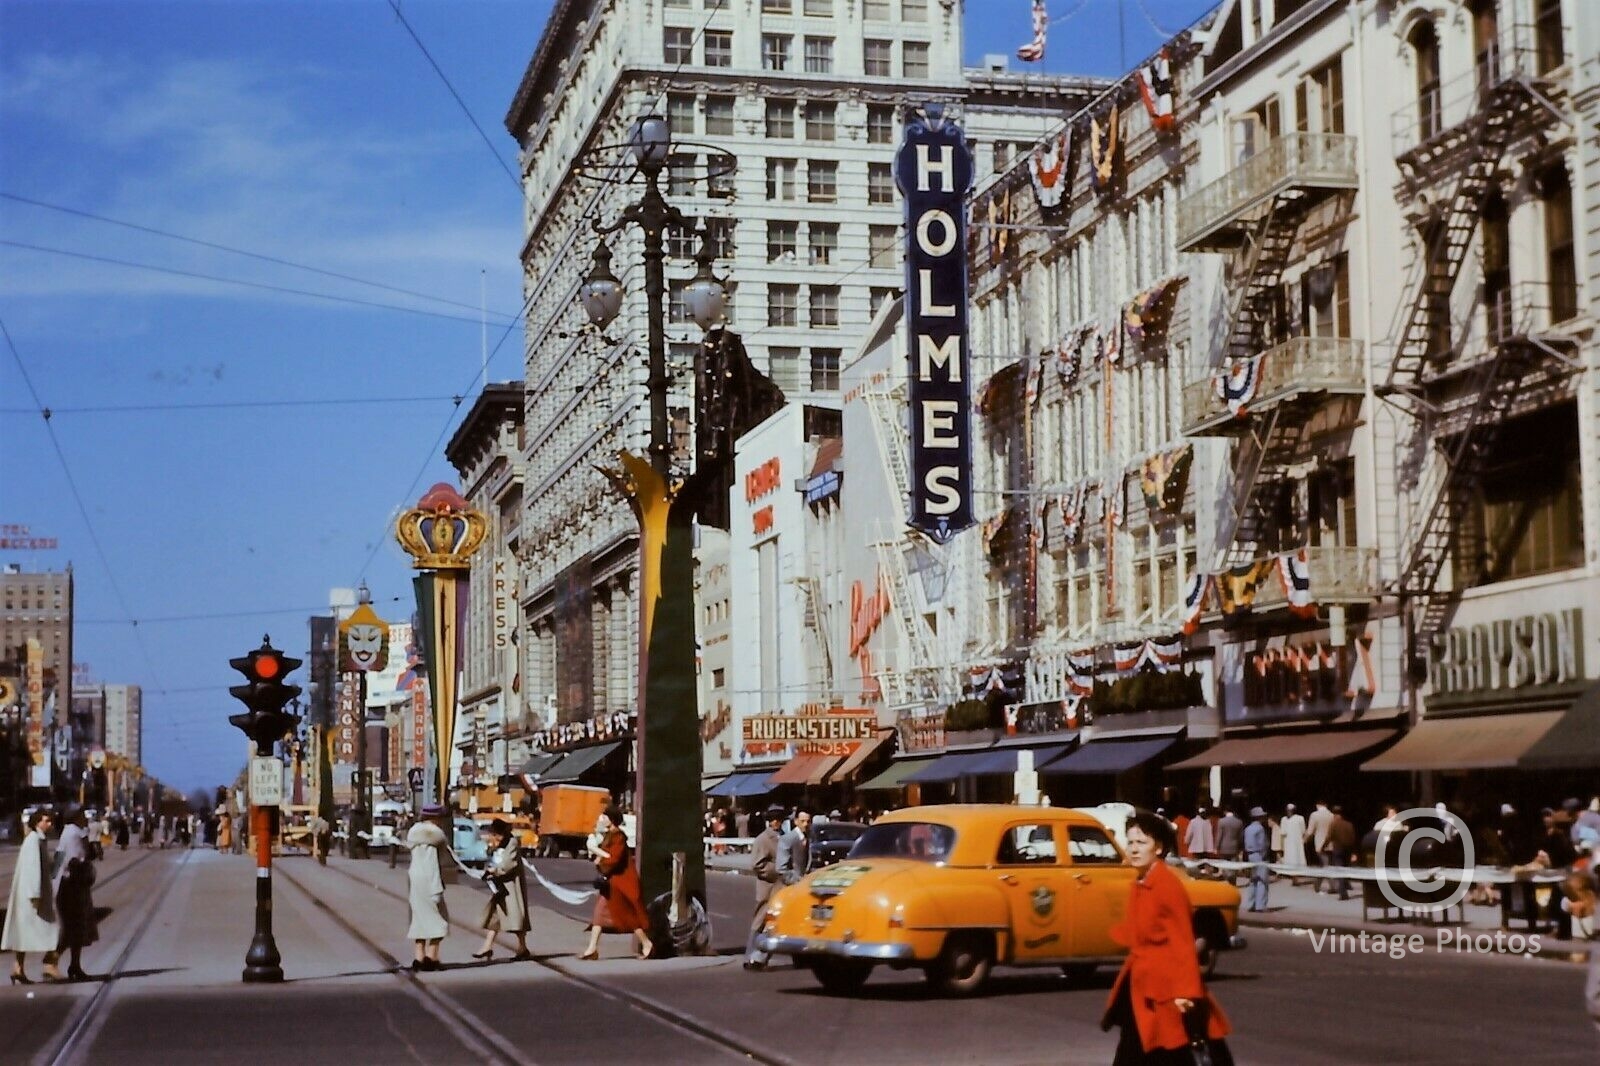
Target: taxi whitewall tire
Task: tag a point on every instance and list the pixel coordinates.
(963, 965)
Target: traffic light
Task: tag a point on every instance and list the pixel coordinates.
(266, 721)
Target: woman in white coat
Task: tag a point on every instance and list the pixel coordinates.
(507, 909)
(430, 921)
(31, 913)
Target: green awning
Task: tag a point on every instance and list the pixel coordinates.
(577, 763)
(1574, 741)
(895, 776)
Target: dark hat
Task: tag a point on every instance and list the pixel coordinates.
(500, 827)
(1572, 803)
(777, 812)
(1545, 812)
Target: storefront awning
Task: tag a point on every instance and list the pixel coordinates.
(742, 784)
(1004, 760)
(1573, 741)
(950, 766)
(854, 761)
(577, 763)
(1287, 748)
(1110, 756)
(804, 770)
(895, 776)
(1476, 743)
(539, 764)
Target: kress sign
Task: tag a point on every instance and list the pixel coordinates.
(934, 171)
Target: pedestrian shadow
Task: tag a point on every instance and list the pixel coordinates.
(124, 975)
(347, 973)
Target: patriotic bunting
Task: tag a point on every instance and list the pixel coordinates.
(999, 221)
(1069, 356)
(1164, 478)
(1033, 51)
(1236, 383)
(1194, 601)
(1127, 656)
(1070, 507)
(1155, 88)
(1165, 654)
(1104, 142)
(1237, 587)
(1111, 344)
(1080, 671)
(1140, 311)
(1035, 381)
(1294, 571)
(1363, 676)
(1049, 166)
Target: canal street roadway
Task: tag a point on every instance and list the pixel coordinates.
(179, 923)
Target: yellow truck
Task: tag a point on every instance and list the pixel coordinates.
(567, 815)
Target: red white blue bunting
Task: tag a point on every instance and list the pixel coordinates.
(1363, 675)
(1155, 89)
(1104, 142)
(1049, 169)
(1237, 382)
(1294, 572)
(1080, 672)
(1194, 601)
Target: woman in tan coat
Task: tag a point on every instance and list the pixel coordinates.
(507, 909)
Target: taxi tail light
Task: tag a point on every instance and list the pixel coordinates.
(897, 920)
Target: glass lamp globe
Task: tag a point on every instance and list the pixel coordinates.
(651, 140)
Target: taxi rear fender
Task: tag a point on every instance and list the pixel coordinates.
(957, 907)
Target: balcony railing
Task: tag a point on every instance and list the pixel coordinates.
(1304, 364)
(1294, 160)
(1438, 110)
(1338, 575)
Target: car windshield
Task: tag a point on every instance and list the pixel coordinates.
(831, 831)
(924, 841)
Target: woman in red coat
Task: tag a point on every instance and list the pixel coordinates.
(618, 908)
(1159, 986)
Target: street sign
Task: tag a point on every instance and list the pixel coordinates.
(414, 778)
(266, 781)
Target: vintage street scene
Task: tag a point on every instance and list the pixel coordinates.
(805, 532)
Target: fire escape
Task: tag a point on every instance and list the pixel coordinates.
(1255, 212)
(917, 673)
(1457, 401)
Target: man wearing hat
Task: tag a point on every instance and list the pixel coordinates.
(1256, 851)
(764, 852)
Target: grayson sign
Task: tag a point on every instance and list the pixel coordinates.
(934, 171)
(1532, 651)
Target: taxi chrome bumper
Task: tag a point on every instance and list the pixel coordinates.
(807, 946)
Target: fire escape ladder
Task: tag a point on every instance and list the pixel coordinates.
(1250, 318)
(1447, 492)
(917, 655)
(1263, 456)
(1428, 315)
(892, 442)
(816, 618)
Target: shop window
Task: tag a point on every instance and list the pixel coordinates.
(1525, 516)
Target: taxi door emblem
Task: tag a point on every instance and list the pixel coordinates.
(1044, 901)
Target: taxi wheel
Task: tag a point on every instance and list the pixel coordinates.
(1207, 954)
(962, 968)
(841, 976)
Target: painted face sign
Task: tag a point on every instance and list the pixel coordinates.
(363, 641)
(934, 171)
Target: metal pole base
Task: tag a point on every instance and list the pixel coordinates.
(263, 964)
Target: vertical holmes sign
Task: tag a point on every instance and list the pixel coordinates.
(934, 171)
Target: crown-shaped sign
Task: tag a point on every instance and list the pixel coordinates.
(442, 531)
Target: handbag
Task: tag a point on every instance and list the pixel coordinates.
(602, 885)
(1203, 1050)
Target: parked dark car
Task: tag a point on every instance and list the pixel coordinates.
(831, 841)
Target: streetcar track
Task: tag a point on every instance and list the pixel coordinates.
(85, 1019)
(641, 1003)
(476, 1036)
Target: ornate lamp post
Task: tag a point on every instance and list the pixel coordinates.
(667, 793)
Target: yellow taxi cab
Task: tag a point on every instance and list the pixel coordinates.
(958, 889)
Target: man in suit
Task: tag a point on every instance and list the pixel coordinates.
(1317, 827)
(794, 850)
(764, 852)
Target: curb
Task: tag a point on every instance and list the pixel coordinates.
(1573, 952)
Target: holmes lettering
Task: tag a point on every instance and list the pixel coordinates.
(934, 171)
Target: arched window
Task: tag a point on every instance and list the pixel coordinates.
(1425, 43)
(1497, 267)
(1486, 42)
(1561, 260)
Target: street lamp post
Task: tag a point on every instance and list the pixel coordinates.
(667, 793)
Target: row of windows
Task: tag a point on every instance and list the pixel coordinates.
(777, 53)
(815, 120)
(785, 365)
(783, 306)
(871, 10)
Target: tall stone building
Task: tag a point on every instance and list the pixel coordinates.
(807, 95)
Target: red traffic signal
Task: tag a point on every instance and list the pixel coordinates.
(265, 663)
(265, 695)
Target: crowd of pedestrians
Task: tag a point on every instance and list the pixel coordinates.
(51, 906)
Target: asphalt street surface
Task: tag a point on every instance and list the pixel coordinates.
(178, 923)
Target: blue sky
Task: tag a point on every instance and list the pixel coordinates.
(314, 133)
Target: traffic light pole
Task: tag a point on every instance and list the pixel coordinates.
(262, 963)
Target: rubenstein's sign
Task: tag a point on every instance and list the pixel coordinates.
(934, 171)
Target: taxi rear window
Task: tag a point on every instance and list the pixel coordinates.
(927, 841)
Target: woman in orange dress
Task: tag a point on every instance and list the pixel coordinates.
(618, 908)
